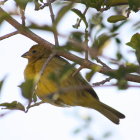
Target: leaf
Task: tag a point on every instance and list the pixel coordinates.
(13, 106)
(22, 3)
(62, 12)
(134, 5)
(1, 83)
(54, 77)
(74, 42)
(135, 41)
(72, 47)
(43, 27)
(117, 26)
(82, 16)
(27, 88)
(135, 44)
(116, 18)
(122, 84)
(118, 40)
(97, 4)
(67, 70)
(89, 137)
(101, 42)
(77, 130)
(37, 4)
(89, 75)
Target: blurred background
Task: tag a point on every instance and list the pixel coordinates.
(49, 122)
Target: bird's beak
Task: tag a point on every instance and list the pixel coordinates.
(26, 55)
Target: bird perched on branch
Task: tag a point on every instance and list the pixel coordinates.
(58, 86)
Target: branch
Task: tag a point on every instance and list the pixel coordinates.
(102, 82)
(102, 63)
(53, 20)
(36, 104)
(77, 25)
(46, 4)
(86, 63)
(22, 12)
(24, 30)
(9, 35)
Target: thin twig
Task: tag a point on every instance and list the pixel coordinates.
(22, 12)
(79, 20)
(86, 48)
(86, 44)
(53, 20)
(55, 95)
(114, 85)
(86, 53)
(9, 35)
(37, 104)
(46, 4)
(77, 71)
(102, 63)
(45, 64)
(38, 76)
(102, 82)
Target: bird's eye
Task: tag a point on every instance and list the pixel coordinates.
(34, 51)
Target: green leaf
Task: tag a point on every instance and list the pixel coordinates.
(89, 75)
(89, 137)
(66, 70)
(54, 77)
(13, 106)
(101, 42)
(135, 41)
(119, 55)
(135, 44)
(134, 5)
(116, 18)
(74, 42)
(37, 4)
(43, 27)
(22, 3)
(82, 16)
(77, 130)
(62, 12)
(27, 88)
(97, 4)
(1, 83)
(122, 84)
(72, 47)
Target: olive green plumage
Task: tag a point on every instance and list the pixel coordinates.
(67, 90)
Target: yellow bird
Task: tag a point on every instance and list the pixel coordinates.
(65, 89)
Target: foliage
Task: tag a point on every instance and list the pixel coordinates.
(135, 44)
(91, 47)
(13, 106)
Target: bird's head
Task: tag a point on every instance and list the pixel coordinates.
(36, 52)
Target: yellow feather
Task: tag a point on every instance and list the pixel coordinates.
(63, 90)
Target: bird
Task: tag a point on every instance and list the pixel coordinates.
(58, 85)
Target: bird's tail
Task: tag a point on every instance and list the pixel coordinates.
(107, 111)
